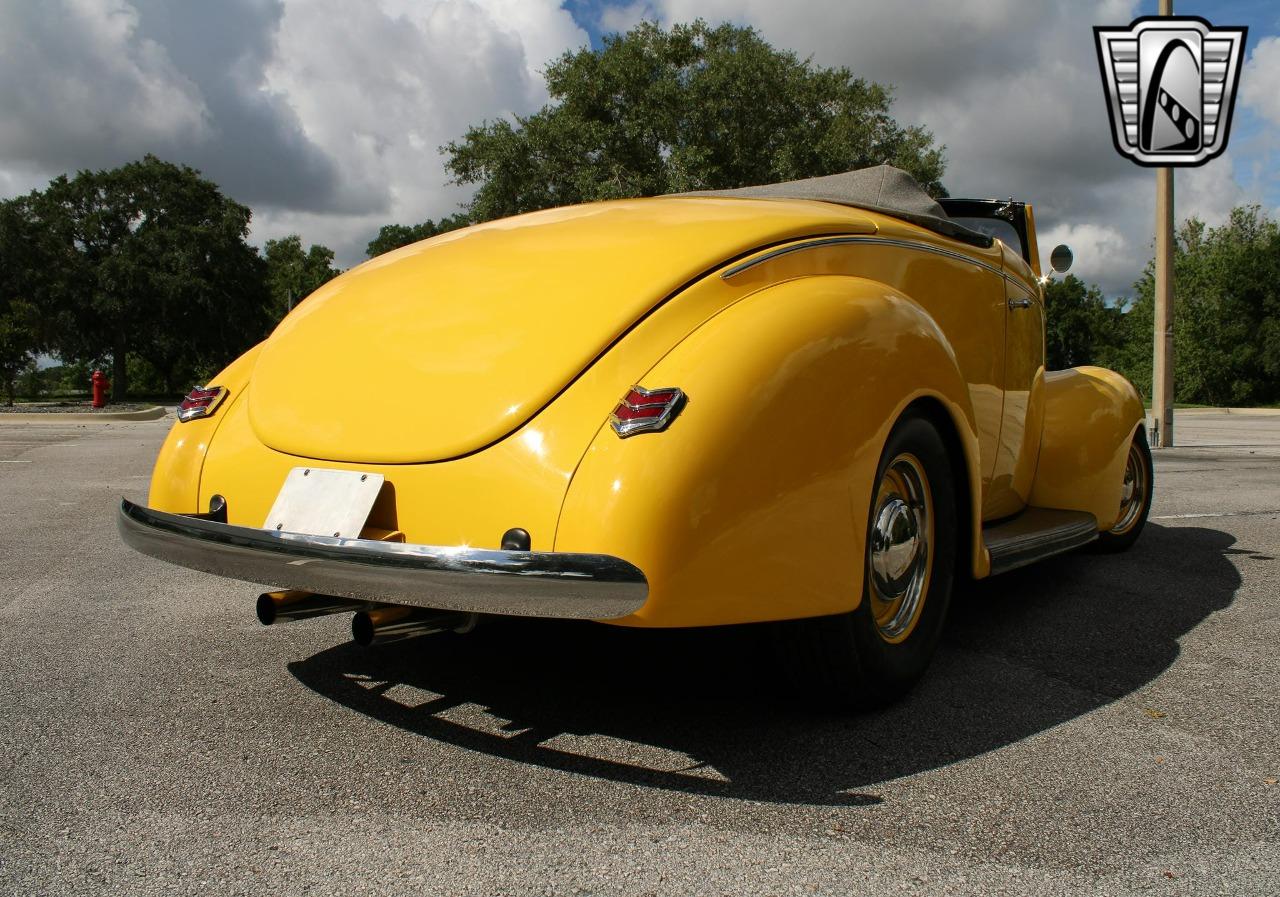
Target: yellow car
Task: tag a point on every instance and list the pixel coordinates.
(818, 402)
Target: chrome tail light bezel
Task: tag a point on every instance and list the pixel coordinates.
(647, 410)
(201, 402)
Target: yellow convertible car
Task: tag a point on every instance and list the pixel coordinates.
(818, 402)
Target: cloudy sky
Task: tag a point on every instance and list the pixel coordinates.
(325, 115)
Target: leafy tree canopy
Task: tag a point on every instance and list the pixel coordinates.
(691, 108)
(294, 274)
(149, 258)
(17, 345)
(1226, 324)
(393, 236)
(1080, 327)
(19, 320)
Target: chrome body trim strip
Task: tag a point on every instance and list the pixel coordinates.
(795, 247)
(875, 241)
(1035, 297)
(1035, 534)
(519, 583)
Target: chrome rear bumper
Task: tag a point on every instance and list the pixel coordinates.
(519, 583)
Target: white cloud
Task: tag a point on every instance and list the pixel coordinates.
(96, 83)
(1209, 192)
(1260, 79)
(77, 72)
(621, 19)
(325, 116)
(1012, 89)
(381, 91)
(21, 178)
(1103, 254)
(1258, 93)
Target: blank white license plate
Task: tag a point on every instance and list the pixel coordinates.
(322, 502)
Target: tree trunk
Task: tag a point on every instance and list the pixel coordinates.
(119, 373)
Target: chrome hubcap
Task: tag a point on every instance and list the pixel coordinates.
(899, 555)
(896, 545)
(1133, 495)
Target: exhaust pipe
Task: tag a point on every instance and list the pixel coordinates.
(395, 622)
(294, 604)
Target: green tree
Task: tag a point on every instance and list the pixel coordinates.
(1080, 328)
(19, 322)
(393, 236)
(293, 275)
(147, 259)
(692, 108)
(17, 345)
(1226, 329)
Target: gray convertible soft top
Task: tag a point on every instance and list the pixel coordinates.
(883, 188)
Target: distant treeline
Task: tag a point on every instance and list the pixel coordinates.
(1226, 331)
(145, 271)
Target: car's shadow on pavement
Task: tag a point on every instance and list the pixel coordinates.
(711, 711)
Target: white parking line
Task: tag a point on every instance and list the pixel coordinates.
(1216, 514)
(1212, 445)
(14, 462)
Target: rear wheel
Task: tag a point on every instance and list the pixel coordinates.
(1135, 499)
(877, 652)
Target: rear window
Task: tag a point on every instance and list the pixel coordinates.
(993, 227)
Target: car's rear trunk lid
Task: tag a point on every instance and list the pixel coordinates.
(441, 348)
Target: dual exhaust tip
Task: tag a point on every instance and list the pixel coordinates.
(373, 623)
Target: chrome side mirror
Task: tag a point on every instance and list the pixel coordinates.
(1061, 258)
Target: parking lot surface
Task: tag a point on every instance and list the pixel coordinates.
(1092, 725)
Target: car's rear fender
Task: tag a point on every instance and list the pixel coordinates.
(1091, 416)
(753, 504)
(175, 480)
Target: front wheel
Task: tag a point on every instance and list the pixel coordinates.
(877, 652)
(1135, 498)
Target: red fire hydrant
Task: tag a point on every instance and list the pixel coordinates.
(101, 387)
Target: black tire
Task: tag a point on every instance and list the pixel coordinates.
(1133, 517)
(847, 659)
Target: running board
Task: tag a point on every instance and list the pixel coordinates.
(1035, 534)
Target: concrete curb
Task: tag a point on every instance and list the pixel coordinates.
(1246, 411)
(80, 417)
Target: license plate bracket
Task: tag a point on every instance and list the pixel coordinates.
(318, 501)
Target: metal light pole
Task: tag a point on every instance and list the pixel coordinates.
(1162, 386)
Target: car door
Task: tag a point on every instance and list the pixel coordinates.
(1017, 447)
(1022, 418)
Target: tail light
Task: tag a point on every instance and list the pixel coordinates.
(202, 401)
(646, 410)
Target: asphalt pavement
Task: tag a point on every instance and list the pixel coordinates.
(1092, 725)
